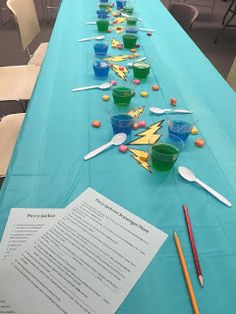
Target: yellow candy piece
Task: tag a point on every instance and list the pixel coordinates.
(105, 97)
(194, 131)
(144, 94)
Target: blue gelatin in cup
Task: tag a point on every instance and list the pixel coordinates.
(101, 68)
(120, 4)
(180, 129)
(100, 49)
(102, 14)
(103, 1)
(131, 30)
(122, 123)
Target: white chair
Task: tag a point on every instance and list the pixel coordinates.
(231, 78)
(206, 3)
(17, 82)
(184, 14)
(9, 129)
(27, 21)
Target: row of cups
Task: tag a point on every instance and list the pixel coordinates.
(165, 152)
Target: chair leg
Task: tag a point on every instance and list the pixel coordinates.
(223, 28)
(226, 13)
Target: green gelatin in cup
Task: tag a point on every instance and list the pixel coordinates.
(104, 6)
(141, 70)
(102, 25)
(131, 20)
(122, 95)
(129, 40)
(163, 156)
(128, 10)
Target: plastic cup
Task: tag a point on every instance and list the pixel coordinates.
(129, 40)
(165, 152)
(105, 6)
(102, 25)
(180, 125)
(122, 95)
(104, 1)
(128, 10)
(102, 14)
(131, 20)
(121, 120)
(120, 4)
(100, 49)
(141, 69)
(101, 69)
(131, 30)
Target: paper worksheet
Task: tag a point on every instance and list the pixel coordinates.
(22, 224)
(87, 261)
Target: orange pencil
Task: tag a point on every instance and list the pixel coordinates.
(186, 275)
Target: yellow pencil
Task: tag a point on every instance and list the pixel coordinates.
(186, 274)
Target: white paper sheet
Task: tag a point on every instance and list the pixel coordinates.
(22, 224)
(85, 262)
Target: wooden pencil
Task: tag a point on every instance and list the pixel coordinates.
(193, 246)
(186, 274)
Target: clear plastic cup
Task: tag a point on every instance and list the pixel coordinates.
(165, 152)
(122, 95)
(121, 120)
(101, 68)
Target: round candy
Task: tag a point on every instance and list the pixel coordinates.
(119, 46)
(105, 97)
(155, 87)
(142, 124)
(149, 33)
(113, 82)
(144, 94)
(136, 82)
(96, 124)
(194, 131)
(173, 101)
(199, 142)
(133, 50)
(121, 68)
(119, 28)
(135, 126)
(123, 148)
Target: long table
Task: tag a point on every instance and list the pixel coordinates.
(47, 168)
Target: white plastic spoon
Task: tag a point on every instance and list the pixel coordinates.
(130, 64)
(161, 111)
(101, 86)
(117, 139)
(189, 176)
(91, 38)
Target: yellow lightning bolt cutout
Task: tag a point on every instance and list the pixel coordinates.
(141, 157)
(121, 73)
(121, 57)
(119, 29)
(119, 20)
(148, 136)
(115, 42)
(136, 113)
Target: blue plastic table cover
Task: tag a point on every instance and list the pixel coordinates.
(47, 167)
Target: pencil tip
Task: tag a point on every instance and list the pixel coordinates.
(201, 280)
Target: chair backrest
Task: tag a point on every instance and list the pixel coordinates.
(26, 18)
(185, 14)
(9, 129)
(231, 79)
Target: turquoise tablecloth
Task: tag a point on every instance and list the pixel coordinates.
(48, 170)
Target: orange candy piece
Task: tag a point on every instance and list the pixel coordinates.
(173, 101)
(155, 87)
(199, 142)
(96, 124)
